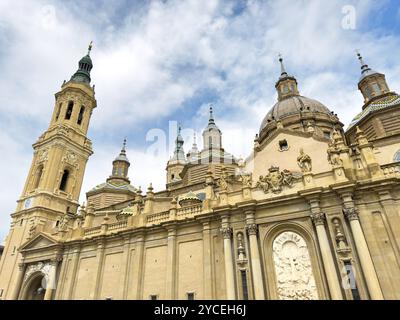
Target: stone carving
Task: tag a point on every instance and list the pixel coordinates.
(44, 268)
(275, 180)
(252, 229)
(70, 158)
(223, 182)
(246, 180)
(63, 225)
(304, 161)
(43, 156)
(339, 236)
(351, 213)
(241, 250)
(294, 276)
(318, 218)
(226, 232)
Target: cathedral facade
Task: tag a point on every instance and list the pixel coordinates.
(312, 213)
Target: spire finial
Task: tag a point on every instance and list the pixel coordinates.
(364, 66)
(211, 118)
(283, 70)
(124, 145)
(194, 138)
(90, 47)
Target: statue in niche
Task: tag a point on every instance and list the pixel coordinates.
(304, 161)
(294, 276)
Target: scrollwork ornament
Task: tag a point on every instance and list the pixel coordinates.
(351, 213)
(318, 218)
(252, 229)
(226, 232)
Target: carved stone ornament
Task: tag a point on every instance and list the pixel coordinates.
(70, 158)
(63, 225)
(276, 180)
(304, 161)
(351, 213)
(252, 229)
(226, 232)
(44, 268)
(294, 275)
(318, 218)
(43, 155)
(246, 180)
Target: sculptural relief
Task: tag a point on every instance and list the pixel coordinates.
(276, 180)
(294, 276)
(304, 161)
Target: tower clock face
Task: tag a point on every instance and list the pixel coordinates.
(28, 203)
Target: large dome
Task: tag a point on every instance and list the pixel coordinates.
(294, 105)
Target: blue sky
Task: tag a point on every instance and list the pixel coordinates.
(162, 61)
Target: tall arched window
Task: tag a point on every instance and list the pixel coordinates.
(58, 111)
(396, 157)
(38, 176)
(64, 180)
(70, 108)
(80, 116)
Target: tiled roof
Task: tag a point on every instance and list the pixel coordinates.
(116, 185)
(380, 104)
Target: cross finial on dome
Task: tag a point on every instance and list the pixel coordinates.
(283, 71)
(90, 47)
(211, 118)
(364, 66)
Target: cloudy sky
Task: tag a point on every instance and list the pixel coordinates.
(157, 63)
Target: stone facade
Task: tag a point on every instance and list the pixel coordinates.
(312, 213)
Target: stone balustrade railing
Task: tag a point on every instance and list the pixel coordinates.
(92, 231)
(158, 217)
(391, 169)
(189, 211)
(118, 225)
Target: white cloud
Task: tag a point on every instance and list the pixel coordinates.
(151, 59)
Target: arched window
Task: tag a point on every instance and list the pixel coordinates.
(38, 176)
(396, 157)
(68, 114)
(58, 111)
(80, 116)
(64, 180)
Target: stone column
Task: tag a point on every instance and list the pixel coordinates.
(333, 282)
(208, 283)
(19, 281)
(138, 266)
(363, 253)
(255, 261)
(51, 283)
(100, 262)
(171, 264)
(74, 263)
(229, 271)
(124, 269)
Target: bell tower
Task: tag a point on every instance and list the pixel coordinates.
(55, 177)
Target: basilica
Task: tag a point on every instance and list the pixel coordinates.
(312, 213)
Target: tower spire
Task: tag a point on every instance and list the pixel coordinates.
(286, 86)
(90, 48)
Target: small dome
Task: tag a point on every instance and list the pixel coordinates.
(189, 198)
(86, 59)
(294, 105)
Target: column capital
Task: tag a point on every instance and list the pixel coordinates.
(21, 266)
(351, 213)
(318, 218)
(252, 229)
(226, 232)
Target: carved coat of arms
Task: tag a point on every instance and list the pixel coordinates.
(276, 179)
